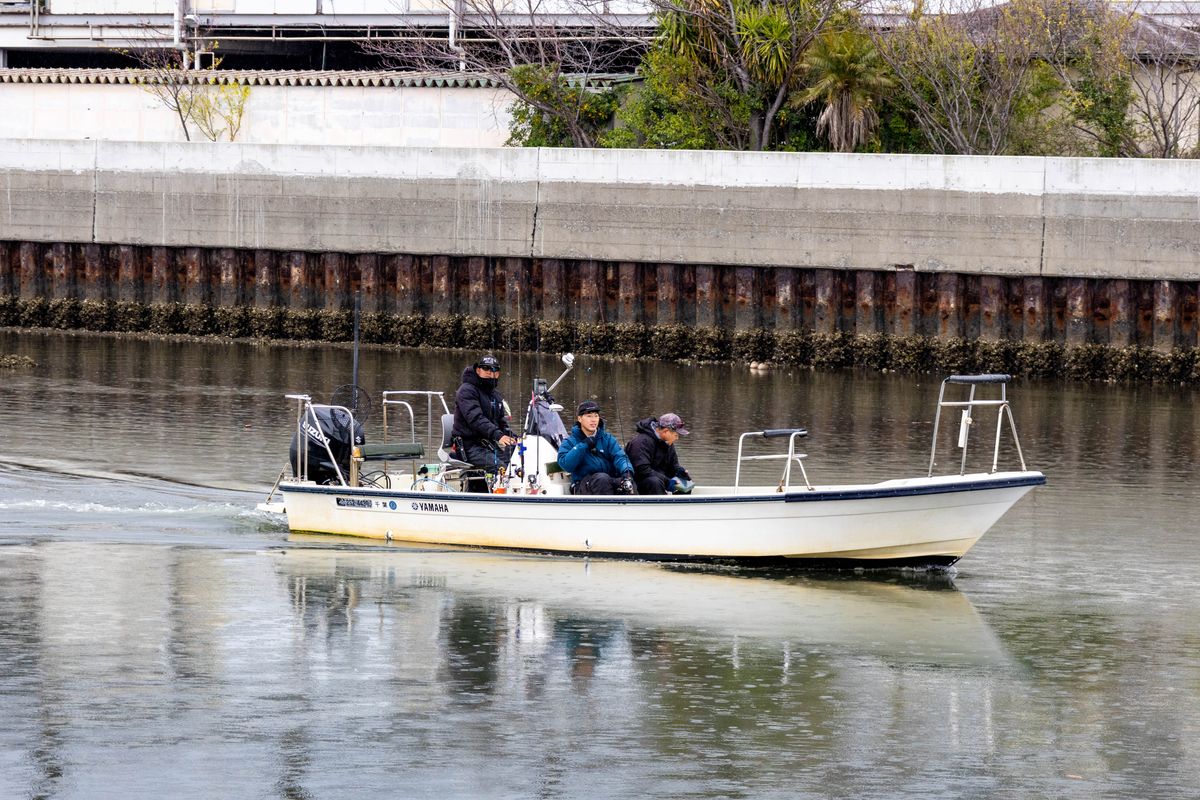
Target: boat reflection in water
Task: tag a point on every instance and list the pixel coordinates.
(915, 620)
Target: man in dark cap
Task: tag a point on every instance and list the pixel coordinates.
(652, 452)
(481, 417)
(594, 457)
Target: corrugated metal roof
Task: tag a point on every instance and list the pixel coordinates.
(251, 77)
(267, 77)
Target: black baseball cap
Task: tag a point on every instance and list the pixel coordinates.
(587, 407)
(488, 362)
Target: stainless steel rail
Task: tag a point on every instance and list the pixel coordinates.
(1003, 411)
(785, 481)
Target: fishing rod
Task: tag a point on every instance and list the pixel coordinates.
(354, 376)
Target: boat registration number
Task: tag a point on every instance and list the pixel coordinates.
(390, 505)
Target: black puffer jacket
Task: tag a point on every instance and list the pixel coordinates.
(651, 455)
(478, 410)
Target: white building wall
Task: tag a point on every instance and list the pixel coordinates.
(328, 7)
(110, 6)
(333, 115)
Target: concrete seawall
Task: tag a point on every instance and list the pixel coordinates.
(1069, 250)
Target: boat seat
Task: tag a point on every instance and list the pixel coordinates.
(447, 442)
(392, 451)
(553, 468)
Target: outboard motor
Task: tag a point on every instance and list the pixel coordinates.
(334, 429)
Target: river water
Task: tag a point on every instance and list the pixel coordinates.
(159, 637)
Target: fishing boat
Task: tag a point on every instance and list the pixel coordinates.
(398, 490)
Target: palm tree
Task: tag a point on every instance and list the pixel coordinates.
(844, 71)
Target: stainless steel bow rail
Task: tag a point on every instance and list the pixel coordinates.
(1000, 403)
(785, 482)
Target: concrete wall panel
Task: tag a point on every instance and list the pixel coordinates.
(426, 116)
(991, 216)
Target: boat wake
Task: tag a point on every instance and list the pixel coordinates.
(70, 469)
(51, 498)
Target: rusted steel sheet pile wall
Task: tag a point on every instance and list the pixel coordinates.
(1070, 251)
(1072, 311)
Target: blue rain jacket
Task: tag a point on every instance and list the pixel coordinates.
(575, 457)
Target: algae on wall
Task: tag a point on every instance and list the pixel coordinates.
(791, 348)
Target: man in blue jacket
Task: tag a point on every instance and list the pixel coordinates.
(594, 457)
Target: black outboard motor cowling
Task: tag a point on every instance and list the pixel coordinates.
(334, 429)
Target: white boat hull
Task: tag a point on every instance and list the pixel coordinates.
(930, 521)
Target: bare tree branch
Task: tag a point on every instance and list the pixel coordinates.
(964, 70)
(1166, 84)
(568, 44)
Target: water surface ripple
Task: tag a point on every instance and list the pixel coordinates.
(159, 637)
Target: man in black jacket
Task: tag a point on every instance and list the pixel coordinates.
(656, 467)
(481, 417)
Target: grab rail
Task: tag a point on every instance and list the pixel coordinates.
(388, 400)
(306, 408)
(785, 482)
(964, 430)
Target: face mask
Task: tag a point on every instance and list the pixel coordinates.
(489, 383)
